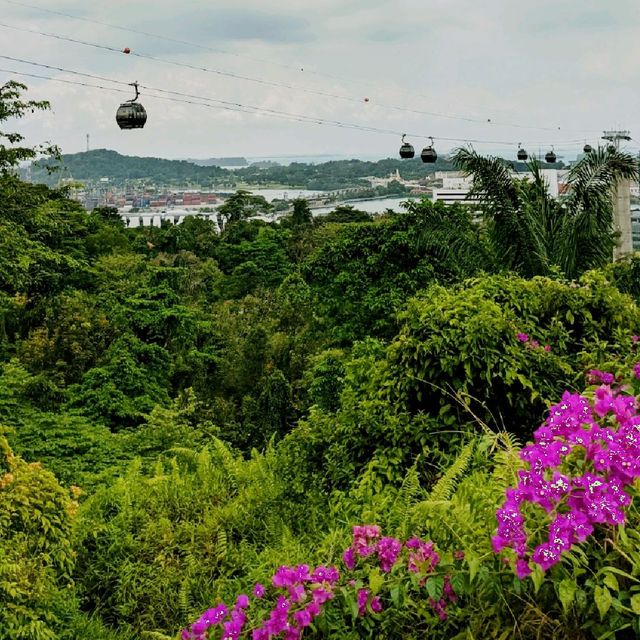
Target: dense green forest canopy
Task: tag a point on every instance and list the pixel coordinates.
(182, 412)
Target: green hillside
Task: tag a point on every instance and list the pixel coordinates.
(104, 163)
(333, 175)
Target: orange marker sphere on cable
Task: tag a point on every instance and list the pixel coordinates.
(126, 50)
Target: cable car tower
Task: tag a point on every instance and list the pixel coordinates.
(621, 200)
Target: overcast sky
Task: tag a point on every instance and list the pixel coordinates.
(561, 70)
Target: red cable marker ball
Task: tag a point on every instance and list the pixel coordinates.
(366, 99)
(126, 50)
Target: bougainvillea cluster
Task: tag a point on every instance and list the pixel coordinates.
(583, 457)
(532, 344)
(300, 592)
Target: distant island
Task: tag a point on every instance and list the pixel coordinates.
(119, 170)
(220, 162)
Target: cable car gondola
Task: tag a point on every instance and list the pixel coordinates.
(522, 154)
(550, 156)
(131, 114)
(406, 150)
(587, 148)
(429, 154)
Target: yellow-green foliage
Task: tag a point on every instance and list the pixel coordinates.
(36, 556)
(162, 543)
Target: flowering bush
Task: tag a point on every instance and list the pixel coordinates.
(532, 344)
(299, 594)
(583, 457)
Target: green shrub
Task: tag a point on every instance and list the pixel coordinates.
(458, 353)
(36, 554)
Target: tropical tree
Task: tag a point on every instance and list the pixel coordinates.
(301, 212)
(12, 106)
(532, 232)
(242, 205)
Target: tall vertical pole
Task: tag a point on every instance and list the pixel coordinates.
(621, 203)
(87, 142)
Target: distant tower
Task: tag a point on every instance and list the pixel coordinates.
(621, 202)
(88, 142)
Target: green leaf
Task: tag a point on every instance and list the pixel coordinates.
(396, 596)
(474, 565)
(611, 582)
(435, 587)
(635, 604)
(459, 583)
(376, 581)
(619, 572)
(567, 593)
(351, 602)
(603, 600)
(537, 576)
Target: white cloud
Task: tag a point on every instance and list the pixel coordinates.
(571, 64)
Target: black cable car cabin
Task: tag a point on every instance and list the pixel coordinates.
(429, 154)
(131, 114)
(406, 150)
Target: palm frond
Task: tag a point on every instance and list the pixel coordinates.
(492, 181)
(509, 210)
(587, 237)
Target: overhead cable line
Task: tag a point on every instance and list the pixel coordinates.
(203, 47)
(301, 68)
(240, 109)
(158, 36)
(245, 108)
(272, 83)
(234, 106)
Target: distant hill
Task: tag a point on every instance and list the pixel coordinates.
(220, 162)
(333, 175)
(104, 163)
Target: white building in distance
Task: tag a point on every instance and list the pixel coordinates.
(456, 185)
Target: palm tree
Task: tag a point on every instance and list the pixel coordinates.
(533, 233)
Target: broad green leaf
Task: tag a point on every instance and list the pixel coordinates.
(396, 596)
(611, 582)
(474, 565)
(537, 576)
(376, 581)
(603, 600)
(619, 572)
(567, 593)
(435, 586)
(635, 604)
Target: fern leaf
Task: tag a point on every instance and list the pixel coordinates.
(410, 491)
(184, 599)
(444, 488)
(221, 544)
